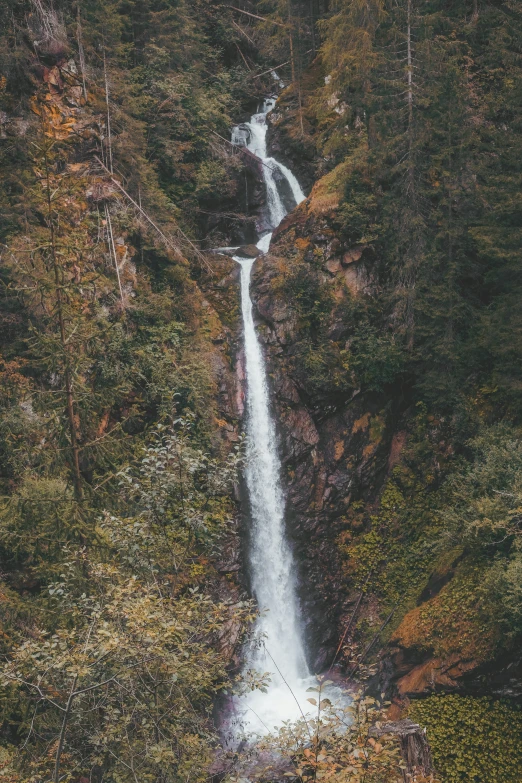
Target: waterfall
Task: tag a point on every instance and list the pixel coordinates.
(281, 651)
(252, 135)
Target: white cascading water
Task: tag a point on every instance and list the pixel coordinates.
(281, 648)
(254, 139)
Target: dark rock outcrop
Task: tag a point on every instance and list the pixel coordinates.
(332, 453)
(248, 251)
(297, 153)
(337, 451)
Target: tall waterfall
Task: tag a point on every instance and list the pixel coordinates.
(281, 648)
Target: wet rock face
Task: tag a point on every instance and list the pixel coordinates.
(416, 674)
(332, 453)
(338, 450)
(248, 251)
(236, 217)
(219, 284)
(329, 462)
(297, 154)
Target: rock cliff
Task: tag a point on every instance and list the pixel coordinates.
(358, 452)
(336, 449)
(340, 445)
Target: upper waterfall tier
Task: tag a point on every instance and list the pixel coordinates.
(252, 135)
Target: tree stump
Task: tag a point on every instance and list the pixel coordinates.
(415, 749)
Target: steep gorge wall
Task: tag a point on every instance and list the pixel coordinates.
(339, 452)
(365, 461)
(333, 454)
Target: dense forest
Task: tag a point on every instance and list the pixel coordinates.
(390, 310)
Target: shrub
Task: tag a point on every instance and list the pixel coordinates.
(473, 740)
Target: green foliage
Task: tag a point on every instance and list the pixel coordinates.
(37, 524)
(427, 94)
(454, 541)
(484, 516)
(122, 676)
(310, 298)
(349, 49)
(460, 619)
(360, 355)
(319, 364)
(472, 739)
(358, 211)
(109, 521)
(377, 359)
(116, 490)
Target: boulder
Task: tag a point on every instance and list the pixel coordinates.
(435, 673)
(353, 255)
(248, 251)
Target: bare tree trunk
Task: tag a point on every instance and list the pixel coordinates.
(312, 26)
(170, 244)
(410, 66)
(81, 53)
(296, 79)
(61, 740)
(109, 139)
(243, 57)
(409, 95)
(373, 641)
(300, 107)
(299, 73)
(292, 61)
(77, 480)
(67, 712)
(112, 245)
(351, 620)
